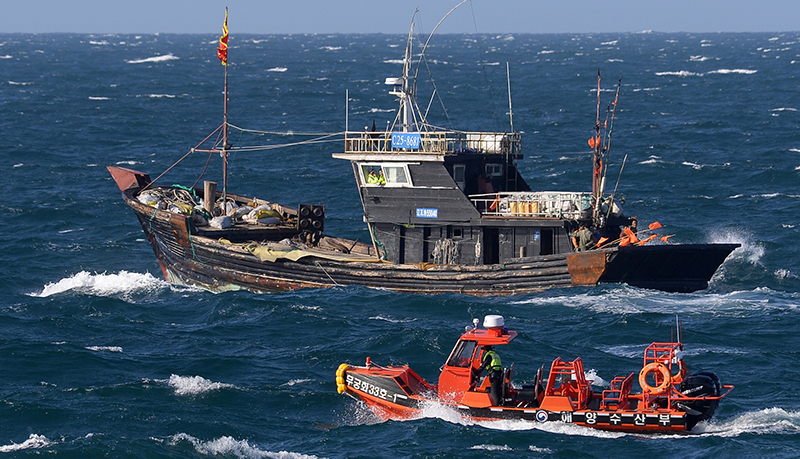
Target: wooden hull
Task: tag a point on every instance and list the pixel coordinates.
(201, 257)
(195, 260)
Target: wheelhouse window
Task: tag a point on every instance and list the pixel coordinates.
(383, 174)
(494, 170)
(462, 354)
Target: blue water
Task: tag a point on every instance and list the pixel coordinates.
(100, 357)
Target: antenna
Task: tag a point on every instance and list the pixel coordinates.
(510, 111)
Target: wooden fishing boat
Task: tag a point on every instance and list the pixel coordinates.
(446, 211)
(671, 399)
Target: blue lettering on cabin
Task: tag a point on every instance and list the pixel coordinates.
(427, 213)
(409, 140)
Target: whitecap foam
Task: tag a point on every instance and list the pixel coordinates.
(492, 448)
(785, 274)
(682, 73)
(229, 446)
(729, 71)
(297, 381)
(161, 58)
(103, 284)
(387, 319)
(98, 98)
(277, 69)
(331, 48)
(104, 348)
(194, 385)
(33, 442)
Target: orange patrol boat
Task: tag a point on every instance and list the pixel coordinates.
(671, 400)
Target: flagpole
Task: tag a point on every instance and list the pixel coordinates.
(222, 53)
(225, 145)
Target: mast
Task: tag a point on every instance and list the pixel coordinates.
(596, 142)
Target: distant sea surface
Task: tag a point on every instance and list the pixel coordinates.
(100, 357)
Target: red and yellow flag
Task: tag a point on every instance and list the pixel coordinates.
(222, 52)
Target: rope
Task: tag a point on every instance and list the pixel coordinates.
(326, 272)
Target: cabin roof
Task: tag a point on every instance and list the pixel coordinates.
(490, 336)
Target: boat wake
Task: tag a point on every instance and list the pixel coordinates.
(769, 421)
(122, 284)
(230, 447)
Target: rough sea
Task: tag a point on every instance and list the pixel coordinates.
(100, 357)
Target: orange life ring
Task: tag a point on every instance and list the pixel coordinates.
(665, 376)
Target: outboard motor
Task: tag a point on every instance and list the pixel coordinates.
(702, 384)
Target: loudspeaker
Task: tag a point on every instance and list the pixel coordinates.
(311, 218)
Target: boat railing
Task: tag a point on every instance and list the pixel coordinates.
(539, 204)
(436, 142)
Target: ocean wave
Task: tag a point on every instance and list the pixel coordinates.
(98, 98)
(99, 43)
(194, 385)
(331, 48)
(229, 446)
(33, 442)
(277, 69)
(103, 284)
(20, 83)
(162, 58)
